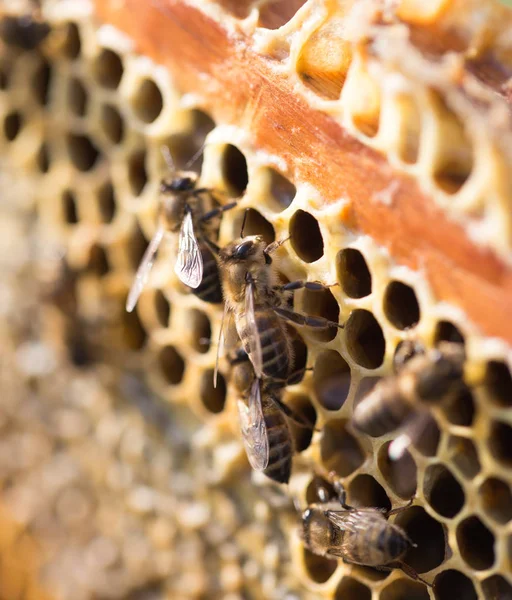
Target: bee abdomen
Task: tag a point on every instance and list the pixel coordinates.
(383, 411)
(274, 347)
(280, 445)
(210, 289)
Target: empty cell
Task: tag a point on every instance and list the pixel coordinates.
(108, 69)
(147, 101)
(305, 411)
(282, 189)
(496, 588)
(137, 174)
(352, 589)
(234, 170)
(428, 441)
(72, 44)
(447, 332)
(321, 304)
(276, 14)
(213, 398)
(133, 334)
(41, 82)
(496, 499)
(183, 149)
(98, 261)
(428, 534)
(331, 379)
(463, 454)
(404, 589)
(353, 273)
(340, 450)
(365, 340)
(401, 305)
(112, 123)
(202, 124)
(442, 491)
(172, 365)
(136, 247)
(43, 159)
(452, 584)
(77, 97)
(401, 474)
(162, 308)
(500, 442)
(318, 568)
(13, 123)
(70, 214)
(254, 223)
(498, 383)
(461, 409)
(82, 152)
(201, 330)
(4, 77)
(305, 237)
(107, 202)
(364, 491)
(476, 544)
(317, 486)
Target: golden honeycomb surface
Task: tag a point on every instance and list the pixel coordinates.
(127, 478)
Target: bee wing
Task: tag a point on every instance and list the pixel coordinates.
(146, 264)
(255, 354)
(349, 520)
(189, 264)
(220, 345)
(254, 429)
(414, 429)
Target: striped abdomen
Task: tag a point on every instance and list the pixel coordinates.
(210, 289)
(279, 442)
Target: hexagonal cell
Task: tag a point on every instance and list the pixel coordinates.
(364, 491)
(401, 474)
(147, 102)
(305, 411)
(305, 237)
(461, 409)
(201, 330)
(496, 498)
(500, 442)
(108, 69)
(428, 534)
(365, 340)
(496, 588)
(72, 45)
(133, 333)
(40, 84)
(401, 305)
(172, 365)
(82, 152)
(340, 451)
(98, 261)
(476, 543)
(442, 491)
(234, 170)
(274, 15)
(13, 122)
(107, 202)
(282, 189)
(447, 332)
(352, 589)
(464, 455)
(428, 442)
(404, 589)
(353, 273)
(112, 124)
(331, 379)
(43, 159)
(321, 304)
(69, 207)
(136, 247)
(318, 568)
(254, 223)
(498, 382)
(137, 174)
(312, 491)
(77, 97)
(452, 584)
(162, 308)
(213, 398)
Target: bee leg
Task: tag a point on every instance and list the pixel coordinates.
(312, 286)
(396, 511)
(216, 211)
(410, 572)
(272, 248)
(306, 320)
(293, 416)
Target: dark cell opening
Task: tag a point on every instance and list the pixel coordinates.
(305, 237)
(171, 365)
(331, 379)
(137, 174)
(351, 589)
(98, 261)
(365, 340)
(447, 332)
(254, 224)
(107, 202)
(282, 189)
(340, 450)
(498, 383)
(234, 170)
(452, 584)
(401, 305)
(461, 410)
(73, 44)
(464, 456)
(201, 330)
(496, 588)
(319, 569)
(353, 273)
(496, 498)
(112, 123)
(476, 544)
(43, 159)
(442, 491)
(305, 411)
(401, 474)
(69, 207)
(12, 126)
(41, 81)
(404, 589)
(321, 304)
(500, 442)
(82, 152)
(162, 308)
(364, 491)
(108, 69)
(134, 335)
(148, 101)
(213, 398)
(77, 97)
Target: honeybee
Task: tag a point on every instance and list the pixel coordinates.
(423, 377)
(258, 301)
(361, 536)
(25, 32)
(182, 210)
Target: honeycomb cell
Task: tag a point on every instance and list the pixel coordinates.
(305, 237)
(201, 330)
(137, 174)
(460, 410)
(162, 308)
(112, 124)
(147, 102)
(353, 273)
(496, 588)
(172, 365)
(318, 568)
(234, 170)
(43, 159)
(452, 584)
(275, 15)
(321, 304)
(365, 340)
(498, 383)
(476, 543)
(70, 214)
(41, 82)
(352, 589)
(340, 450)
(464, 455)
(331, 379)
(496, 499)
(312, 491)
(136, 247)
(281, 189)
(82, 152)
(500, 442)
(442, 491)
(107, 202)
(400, 475)
(77, 97)
(364, 491)
(98, 262)
(428, 534)
(73, 44)
(305, 412)
(213, 398)
(401, 305)
(13, 123)
(134, 335)
(108, 69)
(404, 589)
(409, 142)
(447, 332)
(428, 441)
(254, 223)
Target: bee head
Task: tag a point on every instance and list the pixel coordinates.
(184, 182)
(244, 249)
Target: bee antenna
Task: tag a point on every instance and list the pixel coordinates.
(243, 223)
(195, 157)
(166, 153)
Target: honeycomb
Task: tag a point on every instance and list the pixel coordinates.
(122, 469)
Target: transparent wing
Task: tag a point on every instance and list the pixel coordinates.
(255, 353)
(220, 346)
(352, 520)
(254, 429)
(414, 428)
(146, 264)
(189, 264)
